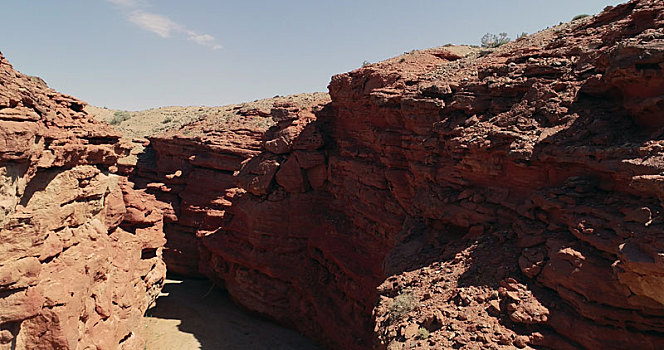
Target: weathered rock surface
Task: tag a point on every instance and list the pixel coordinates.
(191, 173)
(447, 198)
(75, 271)
(244, 209)
(545, 155)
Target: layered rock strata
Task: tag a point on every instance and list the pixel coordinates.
(192, 171)
(80, 249)
(519, 187)
(545, 156)
(246, 207)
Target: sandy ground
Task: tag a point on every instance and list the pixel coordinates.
(191, 314)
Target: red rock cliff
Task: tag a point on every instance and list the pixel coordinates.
(245, 207)
(446, 198)
(80, 250)
(540, 163)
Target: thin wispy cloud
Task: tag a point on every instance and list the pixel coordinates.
(128, 3)
(162, 25)
(158, 24)
(203, 39)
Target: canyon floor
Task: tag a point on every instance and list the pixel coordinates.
(195, 314)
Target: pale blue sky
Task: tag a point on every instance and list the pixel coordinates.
(136, 54)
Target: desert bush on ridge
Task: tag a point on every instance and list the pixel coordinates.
(490, 40)
(119, 117)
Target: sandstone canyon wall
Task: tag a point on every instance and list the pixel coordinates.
(546, 156)
(446, 198)
(80, 249)
(451, 197)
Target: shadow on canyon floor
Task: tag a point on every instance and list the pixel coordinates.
(195, 314)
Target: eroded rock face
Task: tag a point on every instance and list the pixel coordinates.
(74, 273)
(445, 198)
(192, 172)
(545, 156)
(254, 217)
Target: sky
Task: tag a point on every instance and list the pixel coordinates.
(138, 54)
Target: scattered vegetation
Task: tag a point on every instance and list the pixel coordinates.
(167, 120)
(402, 305)
(522, 35)
(490, 40)
(577, 17)
(365, 63)
(119, 117)
(422, 333)
(264, 123)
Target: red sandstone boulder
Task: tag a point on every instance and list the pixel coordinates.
(257, 173)
(290, 176)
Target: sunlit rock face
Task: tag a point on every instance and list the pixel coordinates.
(74, 273)
(521, 187)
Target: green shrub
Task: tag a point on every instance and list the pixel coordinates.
(119, 117)
(583, 15)
(402, 304)
(422, 333)
(522, 35)
(490, 40)
(167, 120)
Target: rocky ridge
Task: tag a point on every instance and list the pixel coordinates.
(80, 249)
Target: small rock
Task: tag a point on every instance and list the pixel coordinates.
(641, 215)
(513, 295)
(6, 336)
(438, 315)
(410, 331)
(521, 341)
(504, 340)
(494, 307)
(471, 121)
